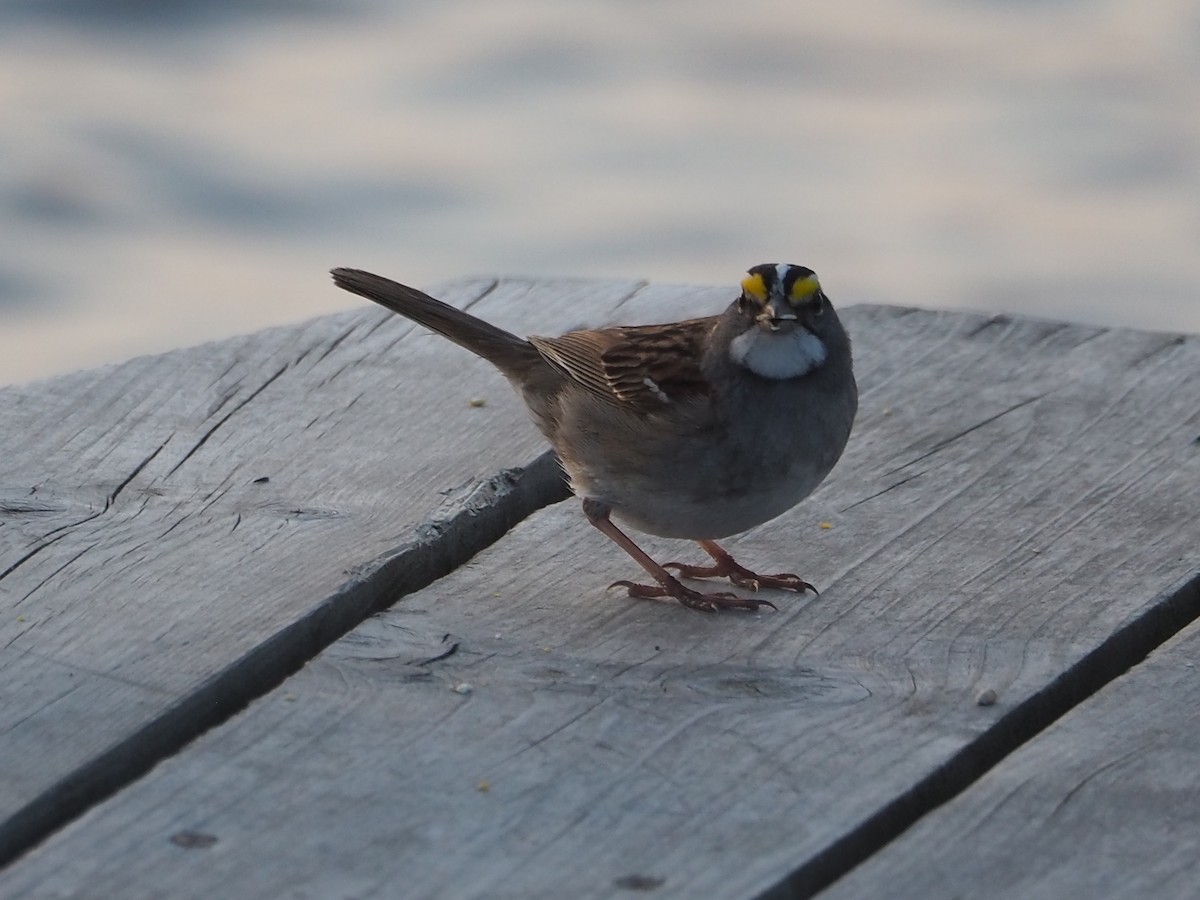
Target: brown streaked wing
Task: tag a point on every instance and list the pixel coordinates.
(577, 355)
(667, 355)
(638, 365)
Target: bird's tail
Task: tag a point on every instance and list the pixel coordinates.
(504, 350)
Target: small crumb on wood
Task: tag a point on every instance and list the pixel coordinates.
(462, 688)
(262, 479)
(986, 698)
(477, 402)
(825, 526)
(483, 787)
(290, 698)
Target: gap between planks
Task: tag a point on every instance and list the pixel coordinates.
(476, 516)
(1118, 654)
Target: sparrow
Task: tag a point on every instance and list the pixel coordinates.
(699, 429)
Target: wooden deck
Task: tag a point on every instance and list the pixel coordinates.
(298, 614)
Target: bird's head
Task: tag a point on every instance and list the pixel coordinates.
(785, 321)
(780, 297)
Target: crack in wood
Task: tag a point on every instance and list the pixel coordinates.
(26, 508)
(134, 474)
(1165, 347)
(213, 430)
(483, 295)
(62, 529)
(890, 487)
(944, 443)
(37, 587)
(1000, 319)
(637, 289)
(382, 318)
(335, 343)
(446, 654)
(30, 555)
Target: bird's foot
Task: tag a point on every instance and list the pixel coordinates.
(692, 599)
(726, 567)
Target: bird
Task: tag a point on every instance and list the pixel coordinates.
(698, 429)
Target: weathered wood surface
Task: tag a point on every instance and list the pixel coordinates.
(1015, 514)
(1105, 803)
(151, 581)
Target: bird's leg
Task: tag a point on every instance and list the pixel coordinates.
(727, 567)
(668, 586)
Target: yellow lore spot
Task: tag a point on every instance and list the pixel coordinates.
(754, 286)
(804, 288)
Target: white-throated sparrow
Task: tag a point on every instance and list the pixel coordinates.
(697, 429)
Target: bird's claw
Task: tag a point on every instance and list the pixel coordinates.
(743, 577)
(784, 581)
(693, 599)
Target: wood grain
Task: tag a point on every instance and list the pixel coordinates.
(1018, 495)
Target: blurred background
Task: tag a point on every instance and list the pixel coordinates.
(174, 172)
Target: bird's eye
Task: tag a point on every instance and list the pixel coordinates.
(818, 303)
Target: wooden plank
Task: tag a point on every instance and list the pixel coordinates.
(1018, 494)
(179, 532)
(1102, 804)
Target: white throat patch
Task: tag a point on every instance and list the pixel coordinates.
(778, 355)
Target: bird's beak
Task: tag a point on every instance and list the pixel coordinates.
(777, 315)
